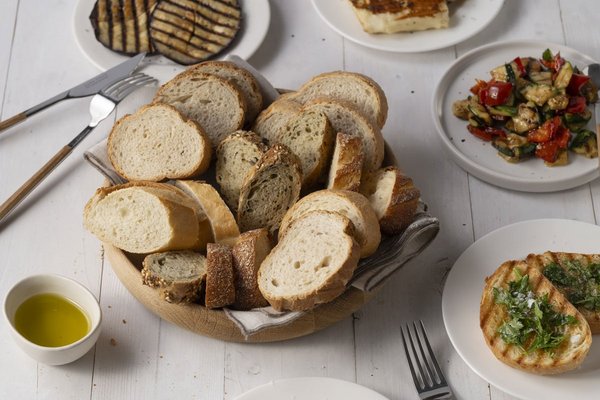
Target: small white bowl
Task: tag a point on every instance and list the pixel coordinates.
(60, 285)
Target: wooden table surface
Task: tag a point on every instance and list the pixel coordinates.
(139, 356)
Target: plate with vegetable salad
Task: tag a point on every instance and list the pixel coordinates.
(519, 115)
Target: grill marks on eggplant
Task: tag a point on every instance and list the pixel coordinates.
(190, 31)
(122, 25)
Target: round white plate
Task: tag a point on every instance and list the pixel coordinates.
(479, 157)
(462, 293)
(467, 18)
(310, 389)
(256, 15)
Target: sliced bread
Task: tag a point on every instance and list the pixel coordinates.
(351, 87)
(270, 188)
(142, 217)
(157, 143)
(241, 78)
(213, 102)
(517, 286)
(345, 117)
(309, 136)
(222, 222)
(179, 275)
(248, 253)
(346, 164)
(271, 122)
(236, 154)
(220, 279)
(311, 264)
(394, 198)
(352, 205)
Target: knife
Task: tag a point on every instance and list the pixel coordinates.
(87, 88)
(594, 73)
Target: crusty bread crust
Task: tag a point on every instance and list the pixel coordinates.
(347, 163)
(569, 355)
(220, 287)
(540, 261)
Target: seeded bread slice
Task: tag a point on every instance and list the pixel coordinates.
(271, 122)
(248, 253)
(220, 289)
(345, 117)
(213, 102)
(360, 90)
(311, 264)
(180, 275)
(346, 164)
(271, 187)
(241, 78)
(142, 217)
(352, 205)
(157, 143)
(394, 198)
(224, 228)
(310, 137)
(236, 154)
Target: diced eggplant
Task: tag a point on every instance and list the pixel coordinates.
(460, 109)
(590, 91)
(575, 122)
(559, 102)
(539, 94)
(589, 148)
(526, 119)
(541, 77)
(564, 76)
(479, 112)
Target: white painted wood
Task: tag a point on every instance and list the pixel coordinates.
(140, 356)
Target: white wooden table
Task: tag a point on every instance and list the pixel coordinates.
(140, 356)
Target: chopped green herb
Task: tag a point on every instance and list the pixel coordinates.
(547, 55)
(580, 284)
(533, 323)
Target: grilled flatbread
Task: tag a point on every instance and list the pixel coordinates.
(572, 337)
(190, 31)
(122, 25)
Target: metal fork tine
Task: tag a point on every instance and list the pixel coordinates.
(122, 82)
(410, 364)
(416, 358)
(125, 91)
(430, 371)
(436, 366)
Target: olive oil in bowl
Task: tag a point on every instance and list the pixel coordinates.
(51, 320)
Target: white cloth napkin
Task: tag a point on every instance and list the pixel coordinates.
(370, 273)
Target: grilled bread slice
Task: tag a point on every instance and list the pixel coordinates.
(122, 25)
(190, 31)
(577, 277)
(576, 335)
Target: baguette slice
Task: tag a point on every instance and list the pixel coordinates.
(394, 198)
(143, 217)
(180, 275)
(345, 117)
(248, 253)
(270, 188)
(236, 154)
(157, 143)
(578, 337)
(309, 136)
(220, 289)
(224, 228)
(241, 78)
(346, 165)
(311, 264)
(574, 266)
(352, 205)
(271, 122)
(213, 102)
(360, 90)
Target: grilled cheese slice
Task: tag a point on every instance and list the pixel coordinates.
(390, 16)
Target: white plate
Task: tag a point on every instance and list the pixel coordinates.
(310, 389)
(462, 293)
(467, 18)
(479, 157)
(256, 15)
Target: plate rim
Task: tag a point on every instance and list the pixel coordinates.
(486, 174)
(79, 28)
(445, 311)
(433, 46)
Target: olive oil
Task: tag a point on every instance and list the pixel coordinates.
(51, 320)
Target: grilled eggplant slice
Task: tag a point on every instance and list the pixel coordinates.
(191, 31)
(122, 25)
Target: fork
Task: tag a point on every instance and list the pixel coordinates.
(429, 381)
(101, 106)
